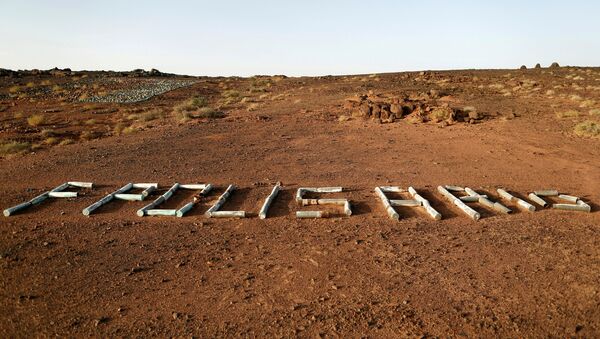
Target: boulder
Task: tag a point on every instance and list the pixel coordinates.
(396, 110)
(363, 111)
(385, 112)
(375, 111)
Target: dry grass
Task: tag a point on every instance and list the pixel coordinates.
(252, 107)
(35, 120)
(90, 122)
(595, 112)
(230, 97)
(66, 142)
(14, 89)
(18, 115)
(195, 108)
(89, 135)
(13, 147)
(209, 113)
(587, 104)
(587, 128)
(567, 114)
(47, 133)
(51, 141)
(191, 104)
(150, 115)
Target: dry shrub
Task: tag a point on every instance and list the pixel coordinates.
(13, 147)
(90, 122)
(567, 114)
(35, 120)
(252, 107)
(587, 129)
(575, 97)
(231, 93)
(587, 104)
(118, 129)
(45, 83)
(14, 89)
(51, 141)
(89, 135)
(230, 97)
(129, 130)
(195, 108)
(191, 104)
(256, 89)
(66, 142)
(18, 115)
(595, 112)
(46, 133)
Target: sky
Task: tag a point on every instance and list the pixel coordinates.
(294, 38)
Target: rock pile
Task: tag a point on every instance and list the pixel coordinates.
(144, 90)
(416, 108)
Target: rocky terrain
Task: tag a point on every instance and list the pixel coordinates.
(116, 274)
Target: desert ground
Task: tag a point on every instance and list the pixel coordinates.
(524, 274)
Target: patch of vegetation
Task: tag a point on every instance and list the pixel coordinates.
(89, 135)
(195, 108)
(230, 97)
(47, 133)
(587, 128)
(595, 112)
(252, 107)
(13, 147)
(191, 104)
(51, 141)
(14, 89)
(567, 114)
(209, 113)
(35, 120)
(587, 104)
(90, 122)
(66, 142)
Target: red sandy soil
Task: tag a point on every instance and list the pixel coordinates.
(116, 274)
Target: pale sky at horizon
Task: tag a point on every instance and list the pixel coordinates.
(296, 38)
